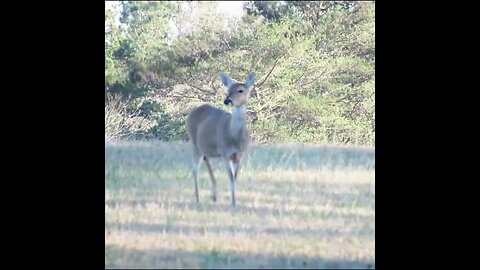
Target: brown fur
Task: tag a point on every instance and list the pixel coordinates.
(215, 133)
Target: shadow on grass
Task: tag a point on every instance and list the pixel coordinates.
(198, 229)
(240, 209)
(290, 192)
(116, 257)
(361, 194)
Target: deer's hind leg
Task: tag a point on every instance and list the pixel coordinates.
(214, 183)
(197, 158)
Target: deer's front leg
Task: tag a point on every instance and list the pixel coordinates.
(231, 174)
(236, 163)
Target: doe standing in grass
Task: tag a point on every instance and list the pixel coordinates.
(215, 133)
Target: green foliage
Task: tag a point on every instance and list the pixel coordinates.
(315, 66)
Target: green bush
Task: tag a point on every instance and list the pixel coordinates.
(315, 66)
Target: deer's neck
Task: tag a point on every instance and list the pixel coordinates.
(238, 122)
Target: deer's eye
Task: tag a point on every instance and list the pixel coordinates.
(240, 91)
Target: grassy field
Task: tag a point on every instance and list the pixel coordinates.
(297, 206)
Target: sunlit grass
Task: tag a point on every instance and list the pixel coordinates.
(310, 206)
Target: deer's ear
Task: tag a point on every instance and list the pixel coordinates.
(250, 80)
(225, 79)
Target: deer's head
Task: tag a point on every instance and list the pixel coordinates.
(237, 93)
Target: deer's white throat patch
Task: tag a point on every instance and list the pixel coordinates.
(238, 119)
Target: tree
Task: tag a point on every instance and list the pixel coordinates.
(315, 66)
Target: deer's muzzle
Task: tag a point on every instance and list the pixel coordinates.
(227, 101)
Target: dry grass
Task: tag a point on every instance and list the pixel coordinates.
(299, 207)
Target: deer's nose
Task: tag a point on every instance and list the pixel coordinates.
(227, 101)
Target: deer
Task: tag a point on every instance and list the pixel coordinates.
(216, 133)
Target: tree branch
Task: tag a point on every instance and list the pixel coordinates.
(182, 97)
(295, 82)
(196, 87)
(316, 78)
(256, 64)
(199, 89)
(266, 77)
